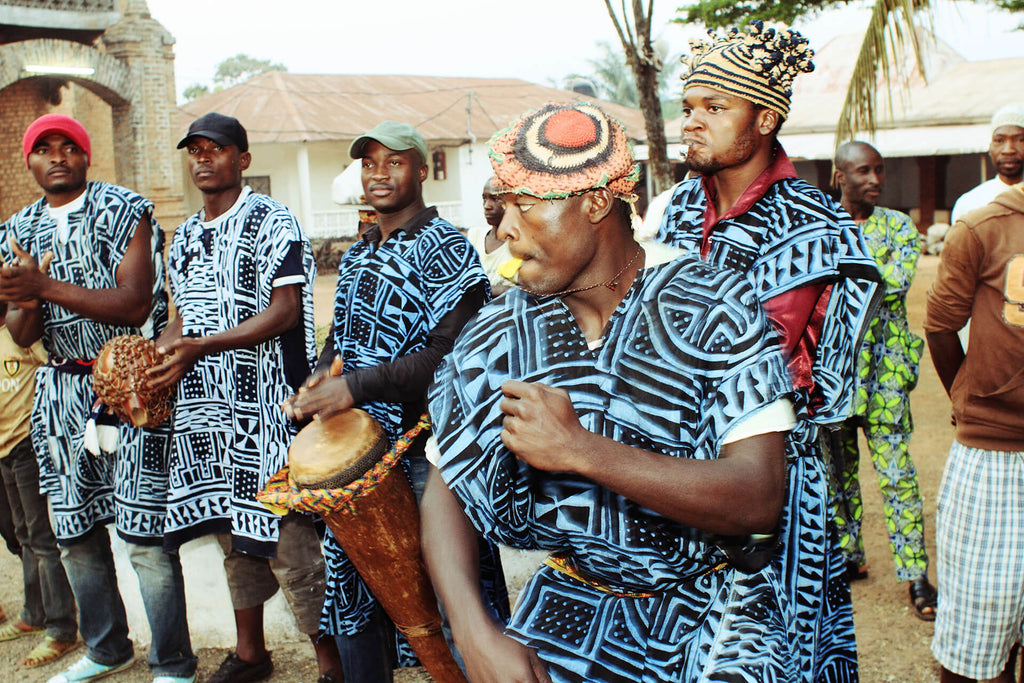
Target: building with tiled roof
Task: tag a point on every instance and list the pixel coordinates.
(300, 127)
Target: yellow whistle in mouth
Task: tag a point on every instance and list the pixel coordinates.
(509, 268)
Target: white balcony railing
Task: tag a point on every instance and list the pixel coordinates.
(343, 221)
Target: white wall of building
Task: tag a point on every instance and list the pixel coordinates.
(457, 196)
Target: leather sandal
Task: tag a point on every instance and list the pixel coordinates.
(924, 598)
(49, 651)
(18, 629)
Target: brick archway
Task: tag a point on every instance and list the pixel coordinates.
(133, 74)
(110, 80)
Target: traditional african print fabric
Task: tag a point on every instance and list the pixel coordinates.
(795, 236)
(887, 370)
(230, 434)
(129, 487)
(686, 354)
(389, 297)
(901, 496)
(890, 353)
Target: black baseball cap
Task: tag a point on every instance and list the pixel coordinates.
(224, 130)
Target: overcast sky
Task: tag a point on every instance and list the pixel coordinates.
(536, 40)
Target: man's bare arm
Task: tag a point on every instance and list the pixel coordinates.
(127, 303)
(282, 314)
(741, 492)
(451, 553)
(947, 355)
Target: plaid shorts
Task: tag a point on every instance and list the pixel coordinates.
(979, 531)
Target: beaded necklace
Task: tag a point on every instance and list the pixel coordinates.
(610, 284)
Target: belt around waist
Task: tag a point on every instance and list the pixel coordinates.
(72, 366)
(564, 564)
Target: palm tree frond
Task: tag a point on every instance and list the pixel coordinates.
(892, 27)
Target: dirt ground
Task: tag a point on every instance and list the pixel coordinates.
(893, 643)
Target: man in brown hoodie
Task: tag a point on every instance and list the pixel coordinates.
(980, 510)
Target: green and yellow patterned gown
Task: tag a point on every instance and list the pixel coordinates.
(887, 371)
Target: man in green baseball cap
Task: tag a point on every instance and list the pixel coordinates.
(405, 289)
(393, 135)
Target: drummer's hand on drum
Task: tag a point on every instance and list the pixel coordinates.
(321, 397)
(541, 426)
(492, 657)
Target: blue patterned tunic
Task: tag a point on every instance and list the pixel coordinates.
(686, 354)
(230, 434)
(389, 297)
(792, 237)
(128, 488)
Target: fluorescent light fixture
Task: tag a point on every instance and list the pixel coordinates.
(60, 70)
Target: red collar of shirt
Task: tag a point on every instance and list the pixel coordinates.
(780, 167)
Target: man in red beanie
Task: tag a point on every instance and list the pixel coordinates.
(81, 266)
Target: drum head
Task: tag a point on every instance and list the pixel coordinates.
(332, 453)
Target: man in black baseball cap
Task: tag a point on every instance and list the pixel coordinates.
(241, 277)
(222, 129)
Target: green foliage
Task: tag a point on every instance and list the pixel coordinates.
(724, 13)
(242, 67)
(195, 91)
(1012, 6)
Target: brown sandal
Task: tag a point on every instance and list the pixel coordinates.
(49, 651)
(17, 629)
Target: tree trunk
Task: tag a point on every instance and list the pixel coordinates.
(657, 146)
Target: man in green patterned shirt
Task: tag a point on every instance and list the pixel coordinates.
(887, 371)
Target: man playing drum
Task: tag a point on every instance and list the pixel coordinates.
(618, 409)
(83, 265)
(241, 274)
(405, 290)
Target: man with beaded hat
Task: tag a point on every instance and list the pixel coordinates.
(620, 408)
(747, 211)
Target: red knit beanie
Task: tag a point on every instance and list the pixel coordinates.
(49, 124)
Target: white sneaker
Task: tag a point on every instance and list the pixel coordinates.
(175, 679)
(85, 670)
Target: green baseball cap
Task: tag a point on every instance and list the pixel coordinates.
(393, 135)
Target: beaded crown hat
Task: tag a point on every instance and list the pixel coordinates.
(561, 150)
(757, 64)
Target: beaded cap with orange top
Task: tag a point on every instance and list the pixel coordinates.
(757, 64)
(561, 150)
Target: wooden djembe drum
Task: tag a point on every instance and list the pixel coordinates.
(342, 469)
(119, 381)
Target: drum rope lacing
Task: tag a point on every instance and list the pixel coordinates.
(282, 493)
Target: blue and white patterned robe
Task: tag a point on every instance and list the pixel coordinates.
(686, 354)
(389, 297)
(85, 491)
(795, 236)
(230, 434)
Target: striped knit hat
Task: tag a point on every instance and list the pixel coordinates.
(562, 150)
(758, 65)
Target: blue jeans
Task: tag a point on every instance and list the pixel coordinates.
(102, 619)
(48, 599)
(368, 656)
